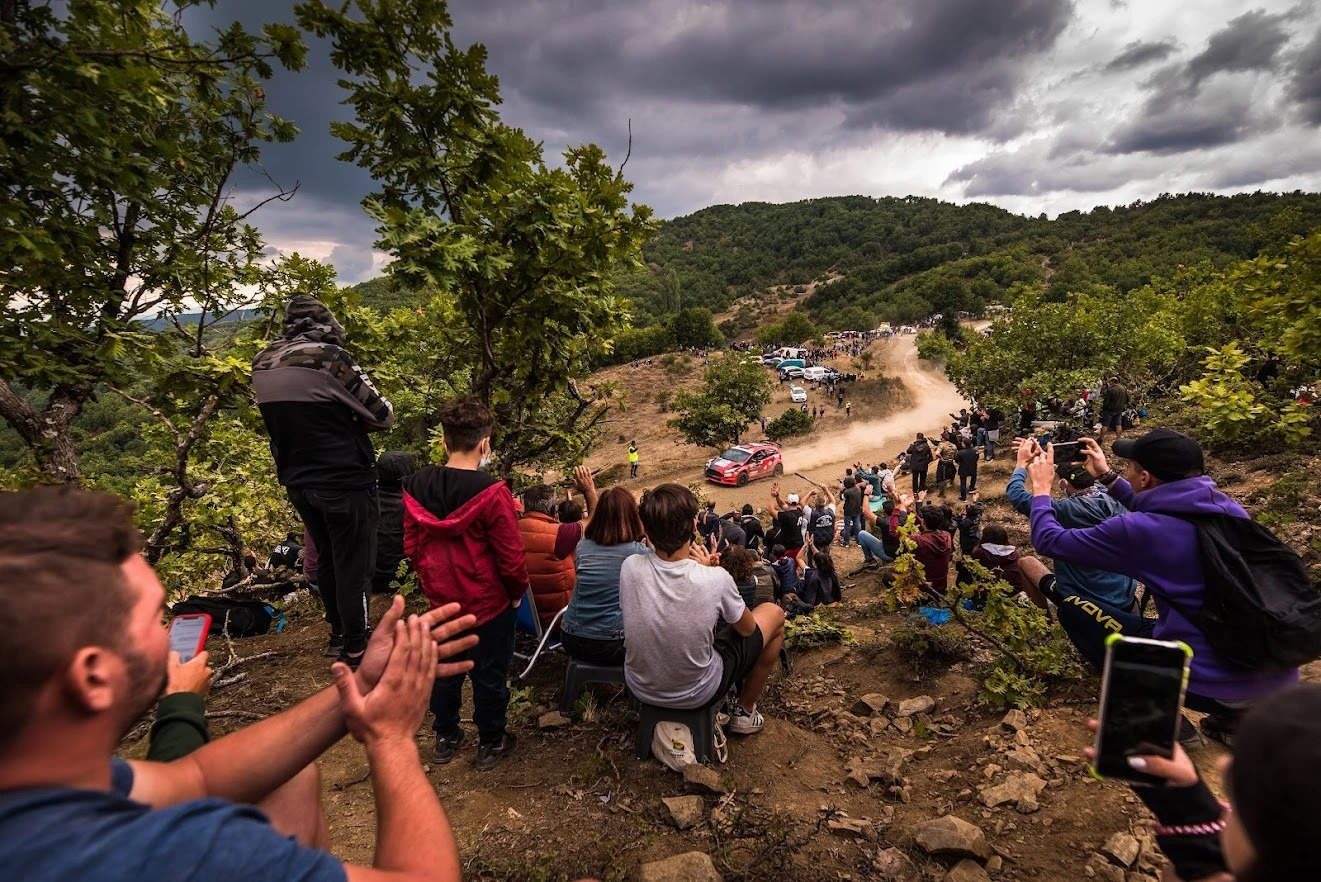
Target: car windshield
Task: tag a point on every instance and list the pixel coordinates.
(736, 454)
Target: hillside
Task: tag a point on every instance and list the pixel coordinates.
(905, 258)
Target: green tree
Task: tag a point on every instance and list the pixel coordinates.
(732, 394)
(798, 328)
(694, 327)
(119, 139)
(525, 252)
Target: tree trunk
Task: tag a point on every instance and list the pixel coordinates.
(46, 432)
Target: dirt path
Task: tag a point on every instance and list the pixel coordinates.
(825, 457)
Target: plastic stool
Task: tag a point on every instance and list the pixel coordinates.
(700, 722)
(579, 674)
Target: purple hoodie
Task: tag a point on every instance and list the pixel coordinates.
(1159, 549)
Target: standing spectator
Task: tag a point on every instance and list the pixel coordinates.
(935, 548)
(730, 533)
(391, 469)
(461, 534)
(708, 526)
(592, 629)
(848, 408)
(821, 518)
(946, 467)
(550, 544)
(967, 460)
(633, 458)
(672, 658)
(992, 425)
(852, 497)
(919, 461)
(788, 517)
(969, 525)
(318, 406)
(1114, 401)
(753, 531)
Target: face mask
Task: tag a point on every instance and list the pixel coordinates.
(485, 460)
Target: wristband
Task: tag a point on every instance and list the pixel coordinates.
(1210, 829)
(1109, 477)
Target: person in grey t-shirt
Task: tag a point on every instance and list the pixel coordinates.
(672, 599)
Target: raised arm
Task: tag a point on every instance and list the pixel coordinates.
(582, 476)
(775, 499)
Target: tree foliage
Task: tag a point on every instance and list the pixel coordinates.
(732, 394)
(795, 328)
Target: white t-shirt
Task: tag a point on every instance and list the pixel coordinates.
(670, 609)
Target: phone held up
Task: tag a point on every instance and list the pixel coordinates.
(188, 635)
(1067, 451)
(1142, 693)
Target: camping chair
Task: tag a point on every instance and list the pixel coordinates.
(530, 623)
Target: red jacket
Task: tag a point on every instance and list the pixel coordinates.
(473, 556)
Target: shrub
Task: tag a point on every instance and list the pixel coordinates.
(788, 424)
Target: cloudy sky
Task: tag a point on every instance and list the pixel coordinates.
(1033, 105)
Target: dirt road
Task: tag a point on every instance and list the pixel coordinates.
(872, 441)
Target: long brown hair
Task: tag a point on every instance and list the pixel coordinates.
(739, 563)
(616, 519)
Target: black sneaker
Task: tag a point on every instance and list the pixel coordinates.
(490, 754)
(443, 752)
(335, 648)
(1218, 728)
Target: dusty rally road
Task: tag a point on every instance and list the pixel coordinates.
(825, 458)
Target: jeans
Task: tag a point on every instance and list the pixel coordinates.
(872, 548)
(967, 484)
(920, 478)
(342, 524)
(852, 527)
(491, 658)
(587, 650)
(991, 438)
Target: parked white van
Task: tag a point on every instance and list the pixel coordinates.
(791, 352)
(816, 373)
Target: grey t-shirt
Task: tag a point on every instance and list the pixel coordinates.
(670, 609)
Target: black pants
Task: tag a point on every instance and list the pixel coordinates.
(342, 524)
(491, 658)
(920, 478)
(967, 484)
(609, 653)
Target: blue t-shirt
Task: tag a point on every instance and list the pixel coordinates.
(58, 834)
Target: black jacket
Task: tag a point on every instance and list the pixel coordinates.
(919, 454)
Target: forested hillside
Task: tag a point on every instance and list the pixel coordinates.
(903, 259)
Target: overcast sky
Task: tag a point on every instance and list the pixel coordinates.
(1033, 105)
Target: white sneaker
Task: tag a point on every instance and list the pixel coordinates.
(743, 723)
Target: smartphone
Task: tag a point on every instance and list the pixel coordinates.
(1067, 451)
(1141, 704)
(188, 634)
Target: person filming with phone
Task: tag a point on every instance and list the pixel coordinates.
(84, 656)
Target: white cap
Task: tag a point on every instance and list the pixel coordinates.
(793, 497)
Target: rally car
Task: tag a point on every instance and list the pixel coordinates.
(746, 462)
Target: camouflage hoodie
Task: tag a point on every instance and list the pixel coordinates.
(317, 403)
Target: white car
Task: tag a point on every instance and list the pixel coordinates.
(797, 394)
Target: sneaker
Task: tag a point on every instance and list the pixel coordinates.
(743, 723)
(335, 647)
(490, 754)
(1189, 737)
(443, 752)
(1217, 728)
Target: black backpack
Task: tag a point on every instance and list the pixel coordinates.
(243, 618)
(1260, 611)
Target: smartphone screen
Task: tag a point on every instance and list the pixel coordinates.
(1066, 451)
(1141, 705)
(188, 635)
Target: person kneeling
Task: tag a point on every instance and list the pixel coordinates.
(672, 658)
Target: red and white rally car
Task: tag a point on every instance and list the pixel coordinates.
(746, 462)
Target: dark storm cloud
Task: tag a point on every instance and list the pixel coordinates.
(1138, 53)
(1250, 42)
(1305, 88)
(910, 65)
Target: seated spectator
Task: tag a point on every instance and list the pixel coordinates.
(820, 581)
(1268, 829)
(238, 574)
(935, 548)
(708, 526)
(969, 525)
(872, 539)
(1085, 503)
(1164, 484)
(391, 469)
(288, 554)
(70, 810)
(996, 554)
(787, 572)
(592, 629)
(462, 536)
(730, 534)
(549, 545)
(569, 512)
(741, 565)
(672, 658)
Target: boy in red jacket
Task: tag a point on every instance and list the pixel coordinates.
(461, 534)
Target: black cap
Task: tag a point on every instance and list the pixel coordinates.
(1076, 474)
(1167, 454)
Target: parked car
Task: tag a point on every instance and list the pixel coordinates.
(771, 360)
(792, 373)
(797, 394)
(746, 462)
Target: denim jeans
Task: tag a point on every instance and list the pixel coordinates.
(342, 524)
(991, 438)
(967, 484)
(491, 658)
(852, 527)
(872, 549)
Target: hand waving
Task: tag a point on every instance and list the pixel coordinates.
(444, 626)
(393, 710)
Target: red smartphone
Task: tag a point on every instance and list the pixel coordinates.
(188, 634)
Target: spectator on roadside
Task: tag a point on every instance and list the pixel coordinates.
(1164, 484)
(919, 461)
(872, 539)
(852, 498)
(318, 406)
(391, 469)
(287, 555)
(462, 535)
(70, 810)
(935, 548)
(788, 571)
(821, 518)
(1085, 503)
(708, 525)
(633, 458)
(992, 425)
(1114, 401)
(996, 554)
(550, 544)
(967, 458)
(788, 515)
(592, 629)
(969, 525)
(730, 534)
(946, 465)
(672, 659)
(753, 531)
(820, 581)
(741, 565)
(569, 512)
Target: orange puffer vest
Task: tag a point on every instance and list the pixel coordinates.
(552, 577)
